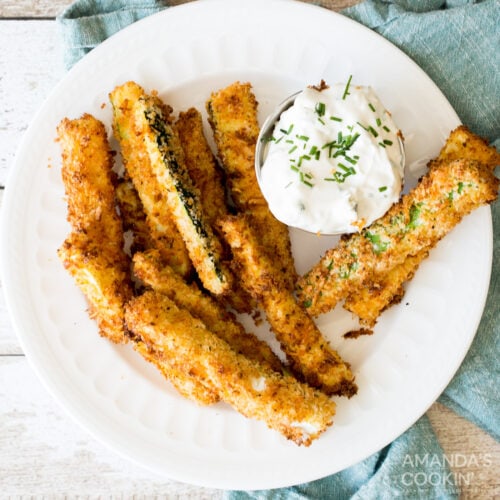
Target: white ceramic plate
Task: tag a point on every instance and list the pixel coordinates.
(186, 52)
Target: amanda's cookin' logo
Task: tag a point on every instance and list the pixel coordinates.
(451, 471)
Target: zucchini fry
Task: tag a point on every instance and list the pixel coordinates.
(93, 252)
(159, 220)
(167, 167)
(447, 193)
(88, 178)
(202, 165)
(370, 300)
(308, 353)
(294, 409)
(149, 269)
(208, 178)
(232, 115)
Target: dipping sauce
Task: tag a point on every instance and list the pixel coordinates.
(335, 161)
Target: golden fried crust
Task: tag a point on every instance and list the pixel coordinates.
(462, 143)
(307, 351)
(93, 252)
(208, 178)
(162, 227)
(149, 268)
(381, 291)
(232, 114)
(201, 164)
(446, 194)
(133, 216)
(88, 177)
(182, 200)
(102, 274)
(294, 409)
(187, 385)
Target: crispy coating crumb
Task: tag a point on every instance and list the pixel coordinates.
(447, 193)
(187, 385)
(386, 289)
(297, 411)
(153, 201)
(208, 178)
(308, 352)
(150, 269)
(232, 114)
(93, 252)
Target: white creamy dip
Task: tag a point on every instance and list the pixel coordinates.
(334, 163)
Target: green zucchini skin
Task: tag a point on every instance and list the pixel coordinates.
(166, 157)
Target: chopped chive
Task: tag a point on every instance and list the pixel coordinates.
(386, 128)
(320, 108)
(292, 150)
(346, 90)
(289, 141)
(381, 144)
(302, 137)
(372, 131)
(378, 121)
(388, 142)
(321, 121)
(294, 168)
(372, 107)
(460, 187)
(335, 118)
(287, 132)
(382, 188)
(279, 140)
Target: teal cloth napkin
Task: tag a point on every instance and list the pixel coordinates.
(456, 42)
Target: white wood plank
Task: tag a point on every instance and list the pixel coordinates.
(51, 8)
(43, 452)
(30, 66)
(32, 8)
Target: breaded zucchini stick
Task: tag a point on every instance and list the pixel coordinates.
(88, 178)
(208, 178)
(167, 167)
(137, 163)
(149, 268)
(202, 165)
(186, 384)
(446, 194)
(307, 351)
(381, 291)
(232, 113)
(93, 253)
(294, 409)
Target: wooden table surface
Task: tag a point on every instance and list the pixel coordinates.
(42, 451)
